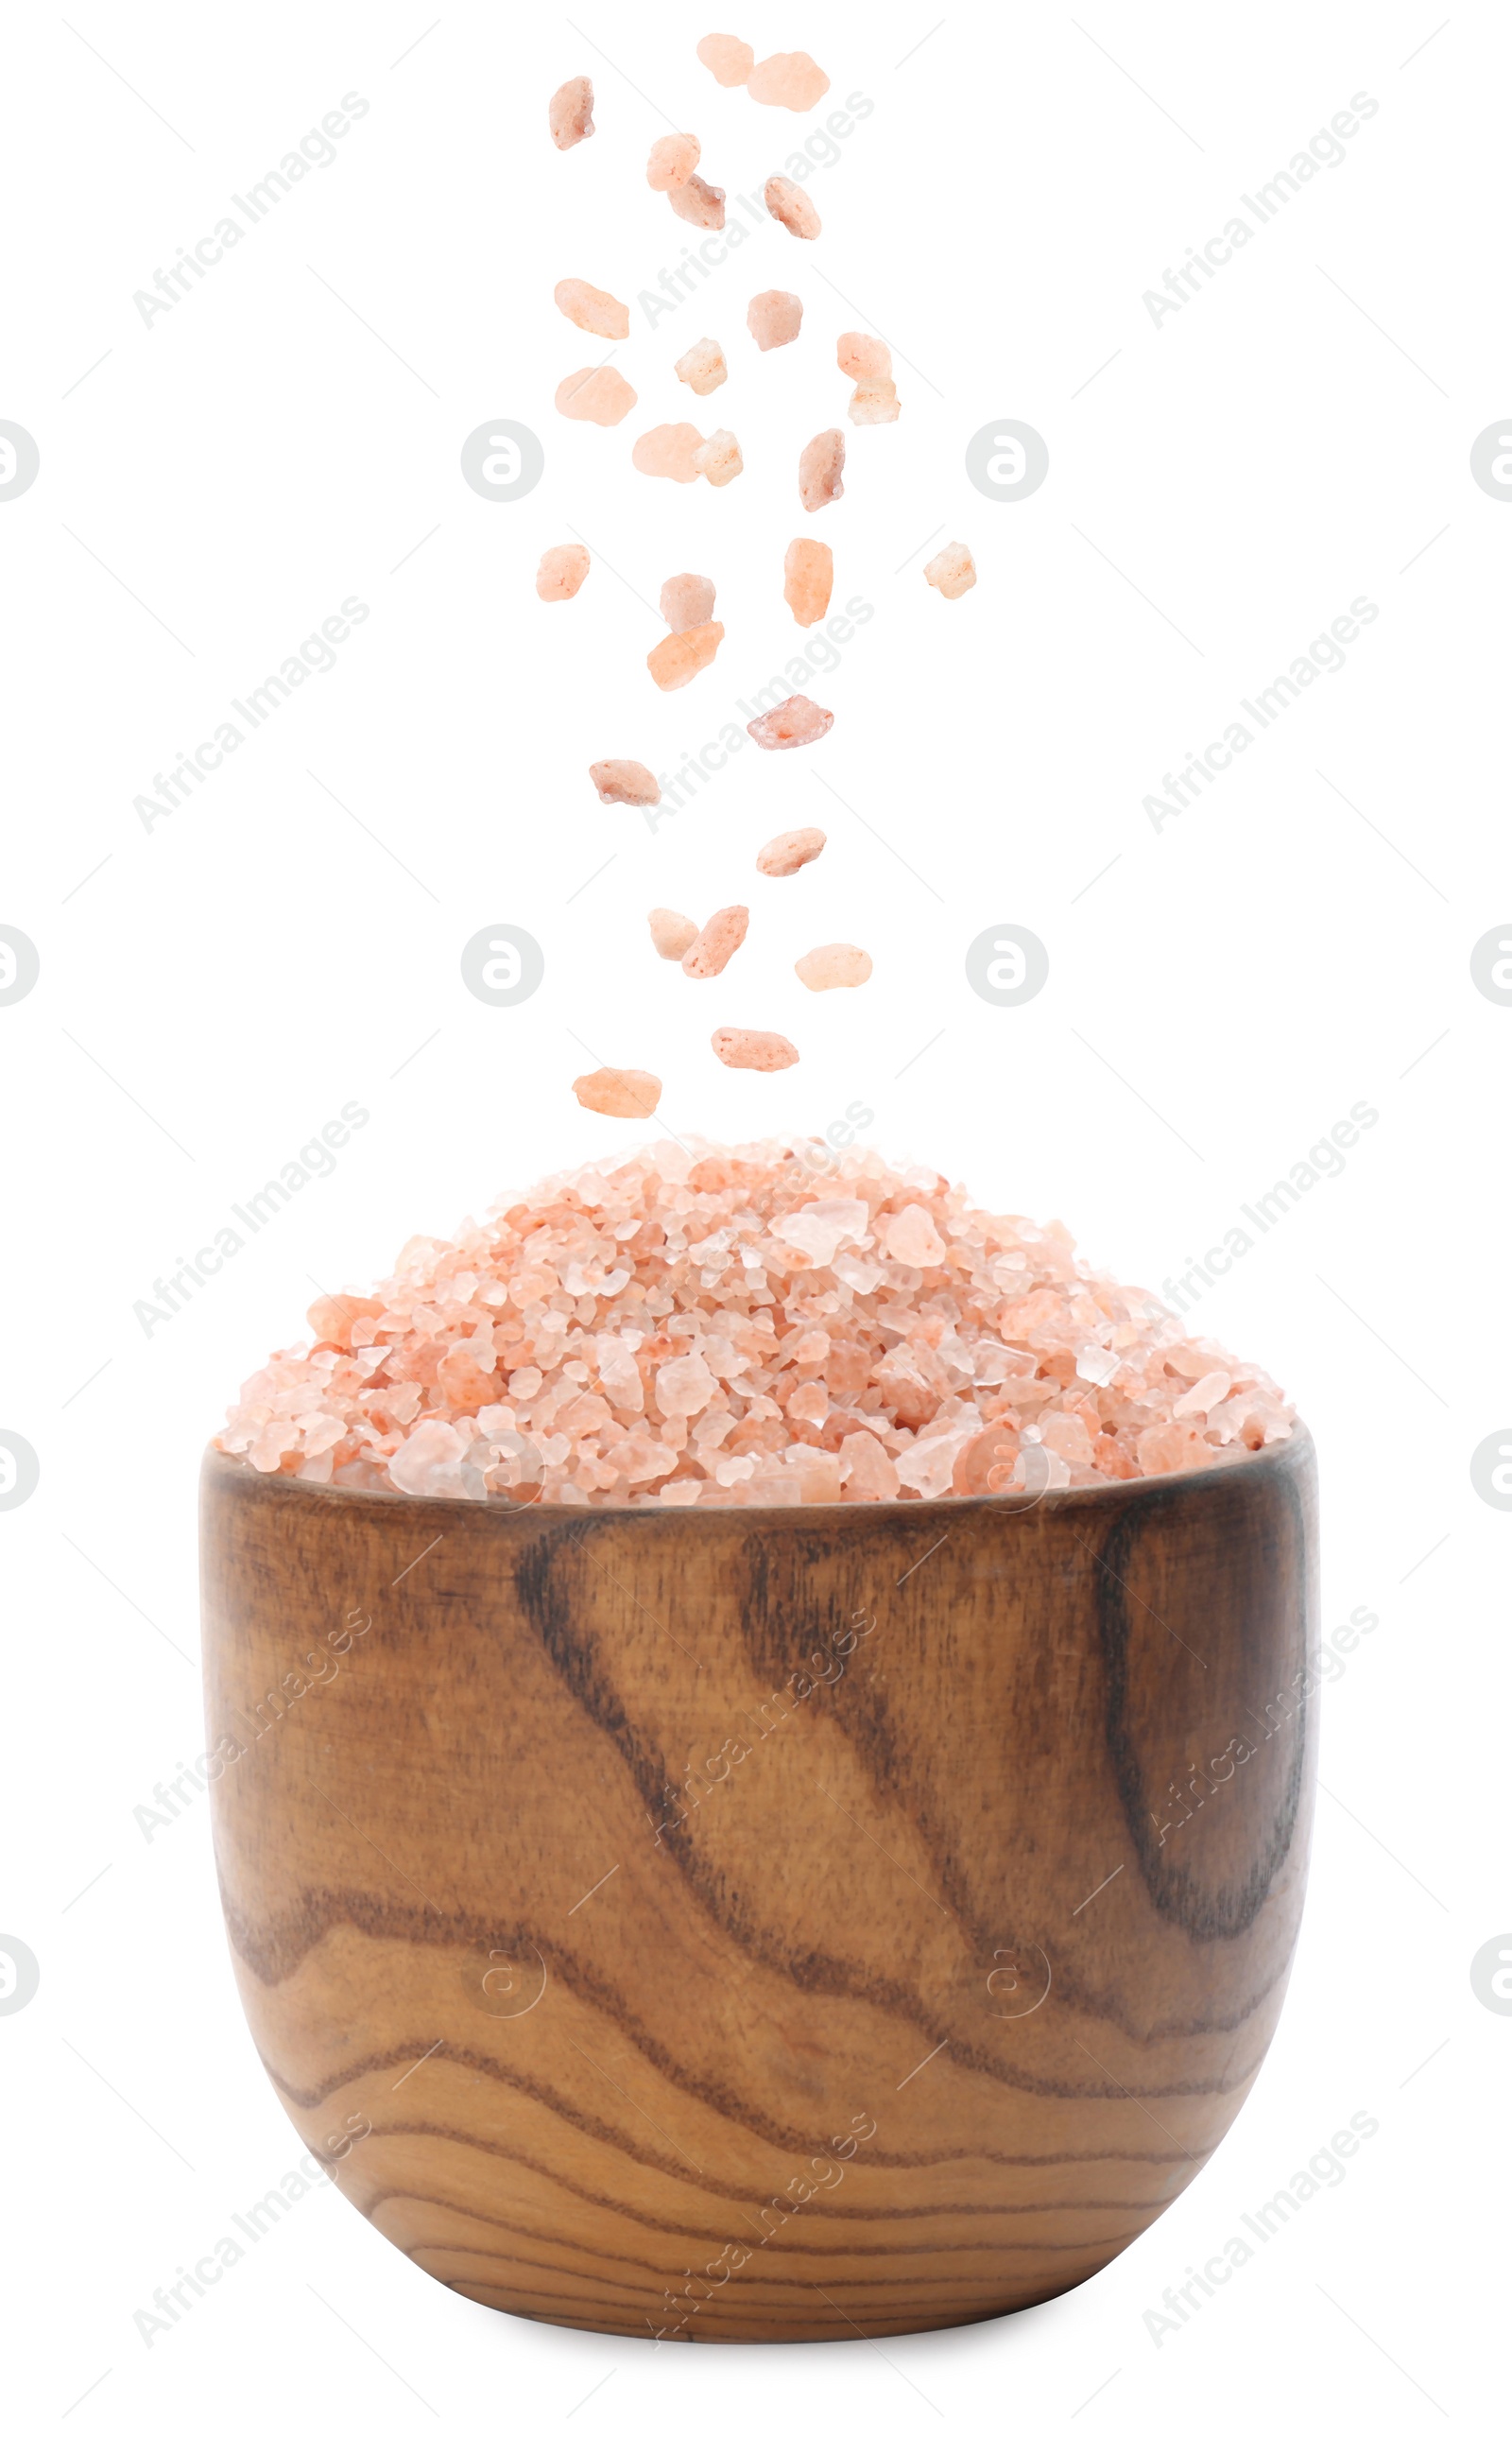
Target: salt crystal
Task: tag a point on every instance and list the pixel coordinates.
(868, 1472)
(569, 113)
(597, 394)
(808, 578)
(624, 782)
(820, 468)
(838, 966)
(788, 81)
(718, 460)
(728, 60)
(619, 1092)
(592, 308)
(562, 571)
(716, 943)
(703, 367)
(874, 401)
(695, 201)
(952, 570)
(678, 657)
(787, 203)
(764, 1053)
(782, 856)
(686, 600)
(422, 1465)
(861, 357)
(673, 160)
(797, 721)
(668, 448)
(774, 318)
(823, 1227)
(911, 1235)
(672, 934)
(1208, 1391)
(684, 1384)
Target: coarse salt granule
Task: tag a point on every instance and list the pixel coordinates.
(703, 367)
(592, 308)
(718, 460)
(686, 600)
(774, 318)
(951, 570)
(787, 203)
(569, 113)
(673, 160)
(808, 579)
(619, 1092)
(795, 722)
(596, 395)
(668, 448)
(672, 935)
(863, 358)
(782, 856)
(838, 966)
(562, 571)
(698, 202)
(727, 59)
(788, 81)
(723, 1327)
(717, 942)
(678, 657)
(820, 468)
(624, 782)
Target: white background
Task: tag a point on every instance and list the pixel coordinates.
(1221, 991)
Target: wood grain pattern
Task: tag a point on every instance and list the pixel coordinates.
(817, 1922)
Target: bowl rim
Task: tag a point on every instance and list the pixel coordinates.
(1281, 1457)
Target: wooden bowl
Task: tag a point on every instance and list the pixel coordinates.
(763, 1926)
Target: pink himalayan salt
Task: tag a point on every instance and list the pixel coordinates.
(569, 113)
(678, 657)
(838, 967)
(624, 782)
(619, 1092)
(687, 601)
(720, 459)
(525, 1358)
(597, 394)
(782, 856)
(673, 160)
(562, 571)
(672, 935)
(808, 579)
(703, 367)
(716, 943)
(787, 203)
(820, 468)
(697, 201)
(764, 1053)
(774, 318)
(951, 570)
(668, 448)
(797, 721)
(790, 80)
(728, 60)
(874, 401)
(863, 358)
(592, 308)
